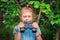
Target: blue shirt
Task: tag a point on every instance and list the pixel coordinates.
(25, 35)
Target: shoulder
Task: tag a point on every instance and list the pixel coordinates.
(15, 27)
(15, 30)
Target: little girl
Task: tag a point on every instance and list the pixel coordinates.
(26, 15)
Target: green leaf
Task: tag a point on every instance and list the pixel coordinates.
(57, 21)
(47, 12)
(4, 0)
(52, 22)
(47, 5)
(43, 10)
(43, 5)
(31, 2)
(12, 1)
(36, 4)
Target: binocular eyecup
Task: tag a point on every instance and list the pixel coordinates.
(23, 29)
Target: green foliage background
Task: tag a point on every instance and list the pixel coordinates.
(49, 21)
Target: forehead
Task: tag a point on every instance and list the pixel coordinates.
(26, 12)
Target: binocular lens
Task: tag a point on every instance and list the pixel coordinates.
(34, 30)
(22, 29)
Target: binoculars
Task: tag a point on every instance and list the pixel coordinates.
(28, 26)
(23, 29)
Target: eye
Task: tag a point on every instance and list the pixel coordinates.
(29, 16)
(24, 16)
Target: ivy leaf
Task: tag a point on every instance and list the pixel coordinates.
(31, 2)
(36, 4)
(47, 12)
(57, 21)
(12, 1)
(52, 22)
(4, 0)
(48, 7)
(43, 5)
(43, 10)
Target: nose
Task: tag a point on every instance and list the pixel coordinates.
(27, 18)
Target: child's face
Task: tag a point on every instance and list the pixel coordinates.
(26, 16)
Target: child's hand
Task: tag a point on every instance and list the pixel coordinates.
(20, 25)
(38, 36)
(35, 24)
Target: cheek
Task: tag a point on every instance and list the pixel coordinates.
(22, 19)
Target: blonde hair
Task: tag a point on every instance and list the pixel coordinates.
(28, 8)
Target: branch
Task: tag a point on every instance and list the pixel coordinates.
(39, 15)
(16, 1)
(57, 34)
(42, 1)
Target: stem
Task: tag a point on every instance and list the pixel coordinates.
(57, 34)
(16, 1)
(39, 16)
